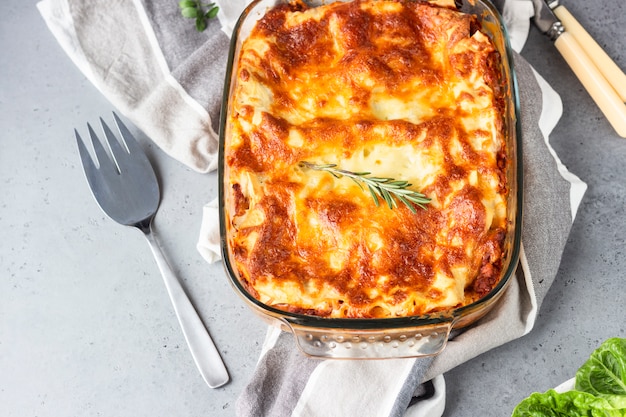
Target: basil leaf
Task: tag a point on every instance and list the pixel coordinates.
(212, 12)
(200, 24)
(189, 12)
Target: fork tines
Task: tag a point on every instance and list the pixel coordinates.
(117, 151)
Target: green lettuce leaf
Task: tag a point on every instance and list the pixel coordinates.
(566, 404)
(600, 388)
(604, 374)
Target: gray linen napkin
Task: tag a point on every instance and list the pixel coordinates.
(167, 79)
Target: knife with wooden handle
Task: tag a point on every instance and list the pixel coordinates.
(572, 41)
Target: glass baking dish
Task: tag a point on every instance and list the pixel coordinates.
(385, 337)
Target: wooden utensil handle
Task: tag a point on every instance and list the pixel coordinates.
(594, 82)
(613, 74)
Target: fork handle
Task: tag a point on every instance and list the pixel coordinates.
(203, 350)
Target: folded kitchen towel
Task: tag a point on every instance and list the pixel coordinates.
(167, 78)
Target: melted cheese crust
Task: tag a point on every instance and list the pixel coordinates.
(407, 90)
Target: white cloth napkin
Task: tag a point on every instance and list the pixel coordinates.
(167, 78)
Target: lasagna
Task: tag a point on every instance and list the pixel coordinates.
(402, 90)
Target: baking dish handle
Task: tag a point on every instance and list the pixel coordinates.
(371, 344)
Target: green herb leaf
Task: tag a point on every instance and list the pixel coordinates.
(200, 24)
(389, 189)
(199, 11)
(212, 12)
(189, 12)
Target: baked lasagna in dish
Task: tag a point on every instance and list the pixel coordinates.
(406, 92)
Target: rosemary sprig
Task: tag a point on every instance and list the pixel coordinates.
(389, 189)
(198, 10)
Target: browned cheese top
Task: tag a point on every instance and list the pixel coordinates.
(402, 89)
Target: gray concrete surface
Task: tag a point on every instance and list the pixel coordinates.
(86, 328)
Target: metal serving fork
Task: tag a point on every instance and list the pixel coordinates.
(126, 188)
